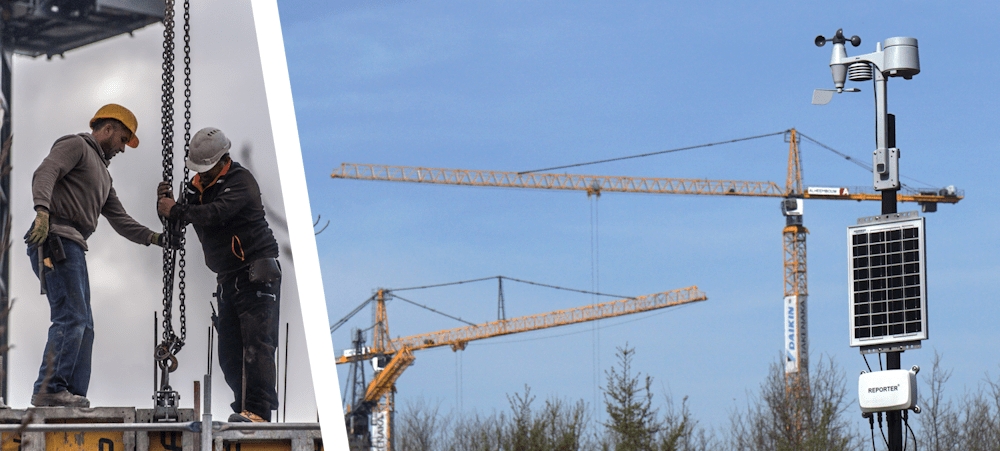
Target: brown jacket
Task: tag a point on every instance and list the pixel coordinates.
(74, 184)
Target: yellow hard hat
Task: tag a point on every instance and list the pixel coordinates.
(123, 115)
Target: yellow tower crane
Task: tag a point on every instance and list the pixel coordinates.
(794, 232)
(397, 354)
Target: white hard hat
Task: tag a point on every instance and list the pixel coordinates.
(207, 147)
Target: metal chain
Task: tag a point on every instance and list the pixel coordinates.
(167, 140)
(187, 150)
(174, 259)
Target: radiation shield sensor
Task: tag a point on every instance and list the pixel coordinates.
(882, 391)
(887, 282)
(895, 57)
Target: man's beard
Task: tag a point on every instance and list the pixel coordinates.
(106, 144)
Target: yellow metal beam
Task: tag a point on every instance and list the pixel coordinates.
(555, 181)
(386, 379)
(860, 196)
(603, 183)
(457, 338)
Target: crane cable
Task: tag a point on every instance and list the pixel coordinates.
(357, 309)
(595, 283)
(608, 160)
(652, 153)
(173, 259)
(512, 279)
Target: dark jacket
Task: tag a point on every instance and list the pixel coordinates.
(228, 217)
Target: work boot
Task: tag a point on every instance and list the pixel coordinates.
(246, 416)
(59, 399)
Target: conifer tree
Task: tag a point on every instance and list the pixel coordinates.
(632, 420)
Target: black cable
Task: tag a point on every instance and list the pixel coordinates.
(357, 309)
(904, 432)
(652, 153)
(569, 289)
(841, 154)
(907, 423)
(445, 284)
(871, 424)
(396, 296)
(855, 161)
(875, 95)
(513, 280)
(882, 431)
(880, 361)
(864, 356)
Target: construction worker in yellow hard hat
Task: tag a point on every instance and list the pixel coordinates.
(71, 189)
(110, 118)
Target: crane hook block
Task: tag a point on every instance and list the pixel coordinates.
(169, 363)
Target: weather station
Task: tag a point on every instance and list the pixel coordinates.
(887, 300)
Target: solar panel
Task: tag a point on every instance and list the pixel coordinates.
(887, 280)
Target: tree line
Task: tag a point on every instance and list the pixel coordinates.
(811, 413)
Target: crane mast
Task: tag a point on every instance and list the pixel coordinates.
(796, 290)
(794, 257)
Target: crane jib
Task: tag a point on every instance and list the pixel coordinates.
(620, 184)
(462, 335)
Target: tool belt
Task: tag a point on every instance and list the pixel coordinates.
(264, 270)
(54, 248)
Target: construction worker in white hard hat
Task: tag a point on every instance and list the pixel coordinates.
(71, 189)
(223, 203)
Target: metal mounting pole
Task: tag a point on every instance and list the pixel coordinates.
(206, 413)
(6, 55)
(894, 418)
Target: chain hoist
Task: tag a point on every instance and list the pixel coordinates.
(173, 258)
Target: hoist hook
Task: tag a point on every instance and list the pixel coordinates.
(164, 356)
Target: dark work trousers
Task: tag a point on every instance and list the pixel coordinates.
(248, 337)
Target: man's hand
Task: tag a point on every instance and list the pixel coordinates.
(164, 190)
(161, 239)
(40, 229)
(163, 206)
(164, 199)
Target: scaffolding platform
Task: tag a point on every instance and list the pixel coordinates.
(166, 440)
(267, 440)
(68, 440)
(131, 429)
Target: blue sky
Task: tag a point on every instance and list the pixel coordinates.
(518, 85)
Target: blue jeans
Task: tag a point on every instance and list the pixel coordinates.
(71, 335)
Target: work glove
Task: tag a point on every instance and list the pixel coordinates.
(39, 229)
(166, 240)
